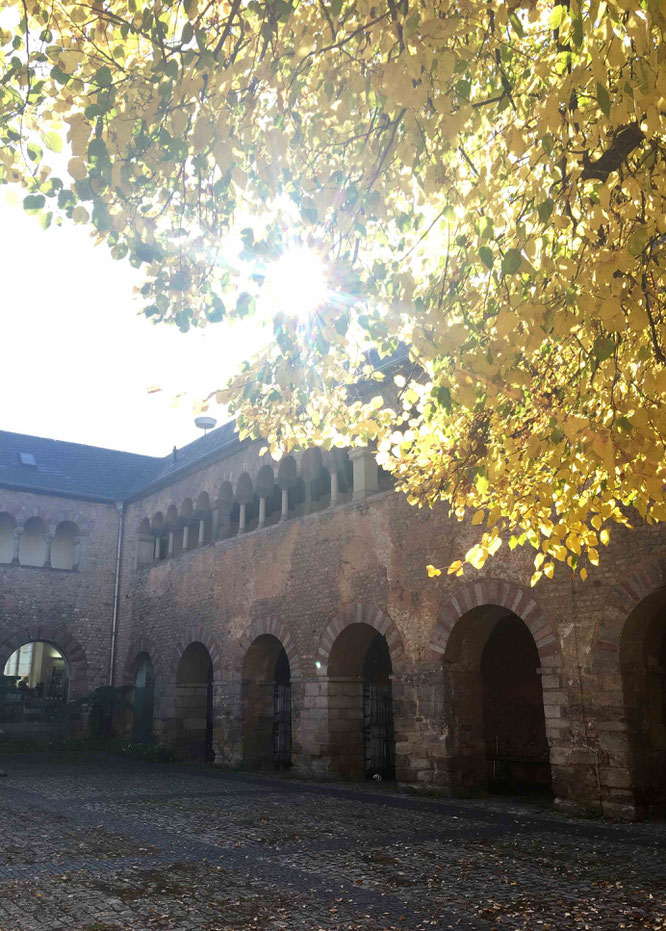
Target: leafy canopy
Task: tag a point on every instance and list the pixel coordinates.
(486, 181)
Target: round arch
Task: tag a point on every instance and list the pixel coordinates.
(195, 635)
(276, 629)
(139, 645)
(504, 594)
(622, 599)
(70, 648)
(626, 659)
(361, 614)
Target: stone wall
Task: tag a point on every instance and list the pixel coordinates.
(71, 608)
(363, 562)
(342, 567)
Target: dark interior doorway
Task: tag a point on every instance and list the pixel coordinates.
(494, 705)
(194, 704)
(266, 705)
(643, 664)
(360, 704)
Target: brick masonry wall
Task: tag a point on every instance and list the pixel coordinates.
(313, 575)
(304, 581)
(71, 609)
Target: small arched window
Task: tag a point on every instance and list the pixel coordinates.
(145, 550)
(66, 546)
(160, 534)
(32, 546)
(204, 516)
(7, 528)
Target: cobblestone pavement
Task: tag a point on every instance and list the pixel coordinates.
(101, 844)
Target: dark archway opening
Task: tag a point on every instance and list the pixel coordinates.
(494, 705)
(514, 722)
(143, 701)
(360, 704)
(194, 704)
(643, 664)
(266, 705)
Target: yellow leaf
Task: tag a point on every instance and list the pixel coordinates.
(478, 517)
(433, 572)
(77, 168)
(455, 566)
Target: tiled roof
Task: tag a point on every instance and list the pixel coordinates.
(76, 470)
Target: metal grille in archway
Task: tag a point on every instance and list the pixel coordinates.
(282, 725)
(378, 734)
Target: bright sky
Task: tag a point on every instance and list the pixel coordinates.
(77, 356)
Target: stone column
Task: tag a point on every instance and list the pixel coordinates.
(186, 537)
(262, 512)
(157, 548)
(202, 532)
(17, 543)
(285, 504)
(48, 540)
(365, 473)
(170, 545)
(215, 521)
(241, 518)
(334, 489)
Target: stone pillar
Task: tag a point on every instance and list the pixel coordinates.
(308, 496)
(309, 726)
(48, 540)
(202, 532)
(157, 548)
(215, 521)
(334, 489)
(186, 537)
(365, 473)
(17, 543)
(262, 512)
(241, 518)
(285, 504)
(170, 545)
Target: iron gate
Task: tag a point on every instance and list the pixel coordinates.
(282, 726)
(378, 736)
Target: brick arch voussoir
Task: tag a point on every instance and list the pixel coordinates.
(508, 595)
(359, 613)
(622, 599)
(27, 513)
(142, 644)
(70, 648)
(84, 524)
(196, 634)
(277, 629)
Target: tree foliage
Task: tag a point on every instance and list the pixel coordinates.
(486, 181)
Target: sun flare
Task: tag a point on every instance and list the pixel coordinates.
(296, 284)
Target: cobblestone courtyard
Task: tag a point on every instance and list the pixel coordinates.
(96, 844)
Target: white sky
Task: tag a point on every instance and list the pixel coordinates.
(77, 358)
